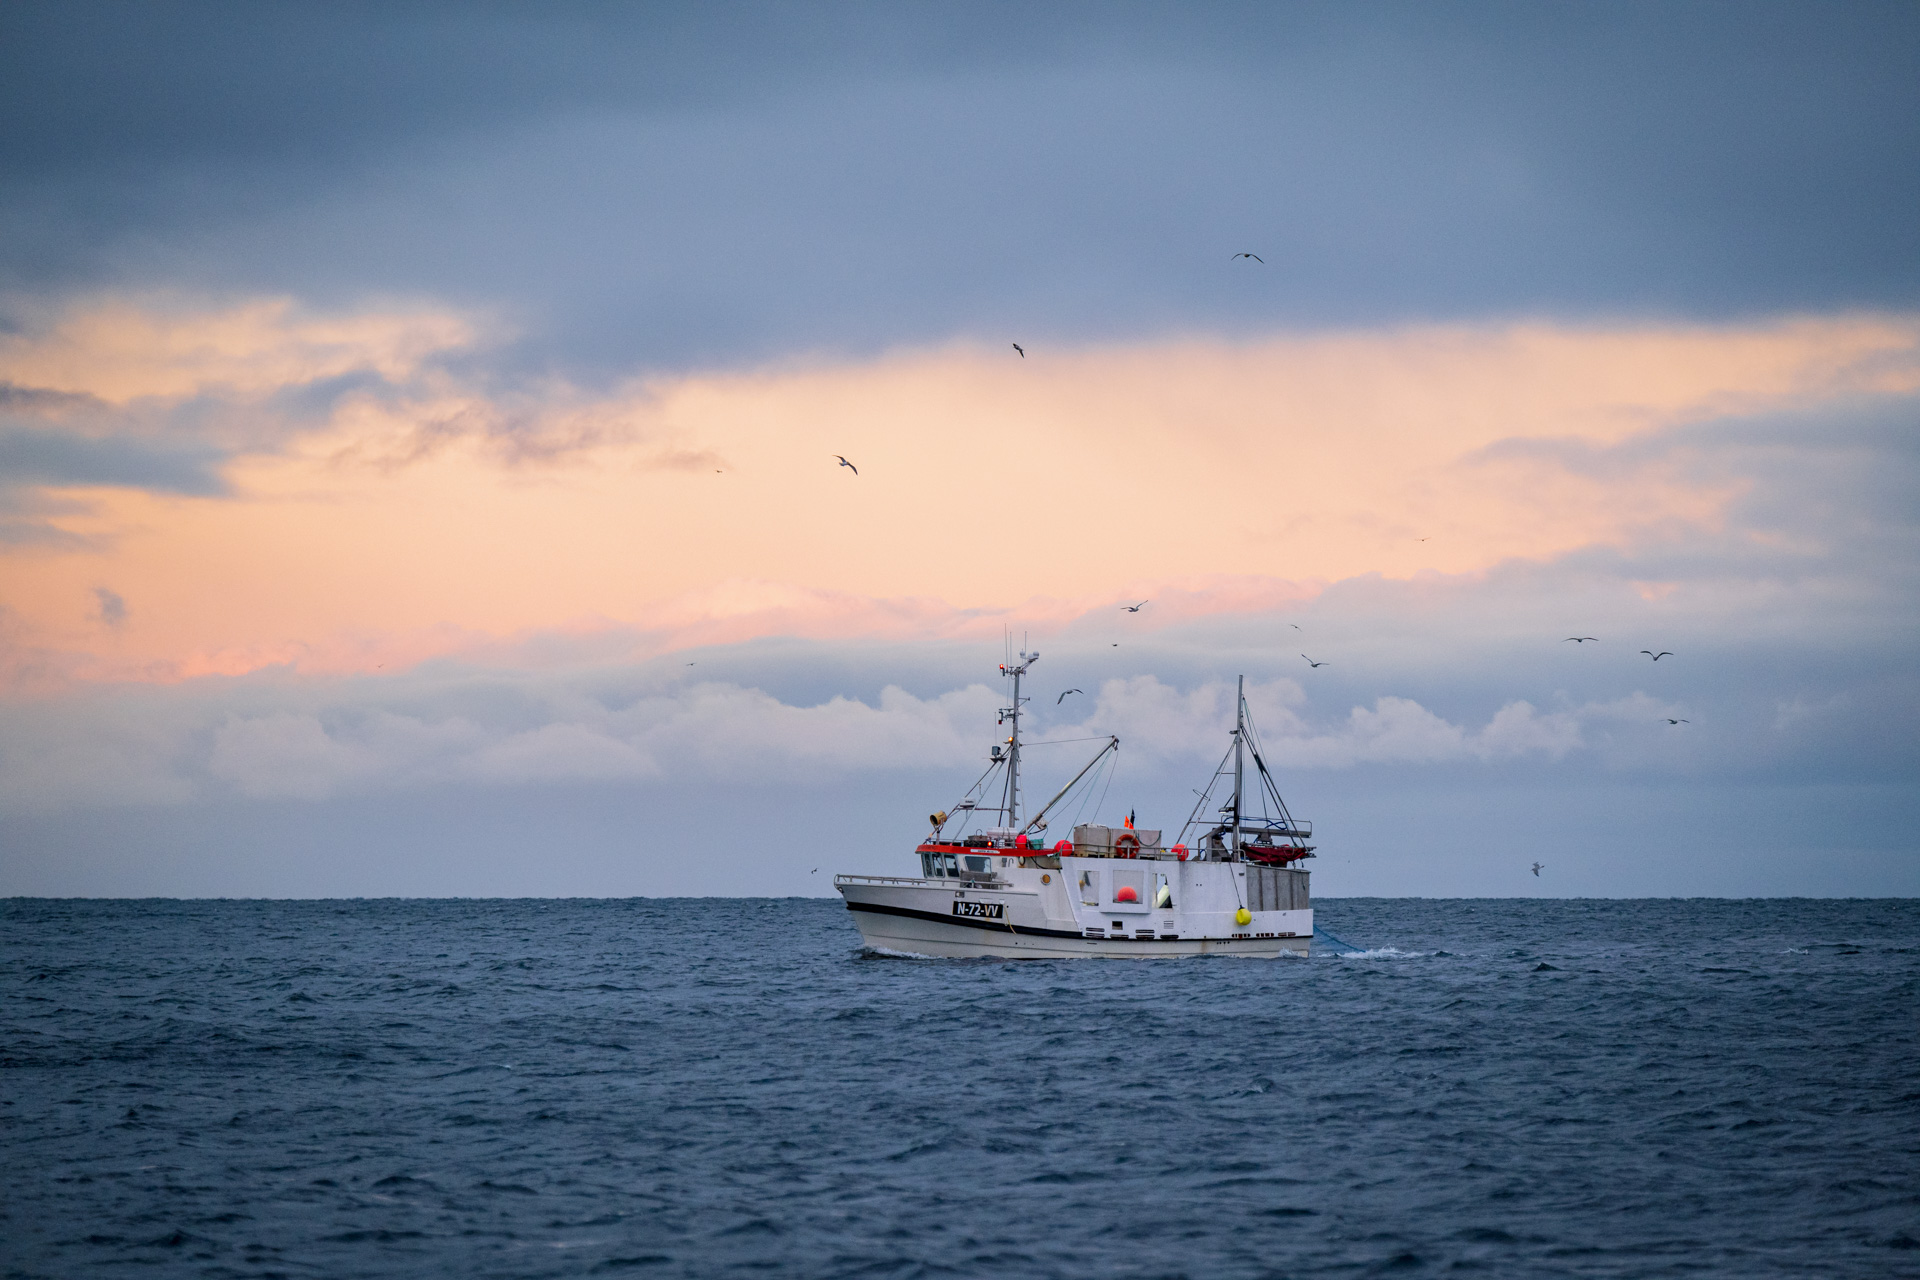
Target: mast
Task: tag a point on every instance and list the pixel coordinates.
(1239, 743)
(1011, 805)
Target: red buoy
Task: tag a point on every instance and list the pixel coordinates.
(1125, 893)
(1020, 842)
(1180, 852)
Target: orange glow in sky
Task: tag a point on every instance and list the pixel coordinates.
(439, 518)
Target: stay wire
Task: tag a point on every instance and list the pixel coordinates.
(1099, 808)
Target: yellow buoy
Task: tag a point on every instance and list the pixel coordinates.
(1243, 916)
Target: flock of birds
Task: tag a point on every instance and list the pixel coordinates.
(1311, 664)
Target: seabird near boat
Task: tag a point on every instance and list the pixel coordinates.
(989, 884)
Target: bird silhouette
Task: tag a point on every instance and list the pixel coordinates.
(1664, 653)
(1256, 257)
(1312, 663)
(1134, 608)
(848, 465)
(1537, 866)
(1063, 697)
(814, 872)
(1294, 625)
(1022, 350)
(1584, 639)
(1671, 720)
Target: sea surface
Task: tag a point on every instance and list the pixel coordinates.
(733, 1087)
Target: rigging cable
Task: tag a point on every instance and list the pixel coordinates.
(1086, 794)
(1103, 791)
(1206, 796)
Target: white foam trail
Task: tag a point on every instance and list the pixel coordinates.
(899, 955)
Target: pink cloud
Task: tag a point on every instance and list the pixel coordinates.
(1209, 477)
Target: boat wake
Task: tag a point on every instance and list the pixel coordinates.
(891, 953)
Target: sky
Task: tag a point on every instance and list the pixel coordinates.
(419, 436)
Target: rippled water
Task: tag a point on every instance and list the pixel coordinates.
(695, 1088)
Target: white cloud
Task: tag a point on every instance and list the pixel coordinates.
(57, 758)
(286, 755)
(1789, 712)
(1517, 729)
(330, 741)
(705, 729)
(725, 726)
(559, 752)
(1160, 721)
(1156, 720)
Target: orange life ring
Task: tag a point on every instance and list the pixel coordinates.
(1126, 840)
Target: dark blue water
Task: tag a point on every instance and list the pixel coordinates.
(699, 1088)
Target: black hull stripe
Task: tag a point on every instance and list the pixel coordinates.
(967, 923)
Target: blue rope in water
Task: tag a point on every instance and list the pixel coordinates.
(1352, 950)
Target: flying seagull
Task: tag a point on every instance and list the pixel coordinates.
(1063, 697)
(1584, 639)
(1664, 653)
(1671, 720)
(1537, 866)
(1022, 350)
(1256, 257)
(1294, 625)
(1312, 663)
(848, 465)
(1134, 608)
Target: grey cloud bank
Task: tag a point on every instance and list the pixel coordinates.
(675, 186)
(661, 796)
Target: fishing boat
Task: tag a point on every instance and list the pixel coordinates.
(991, 886)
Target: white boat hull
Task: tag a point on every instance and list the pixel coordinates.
(917, 917)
